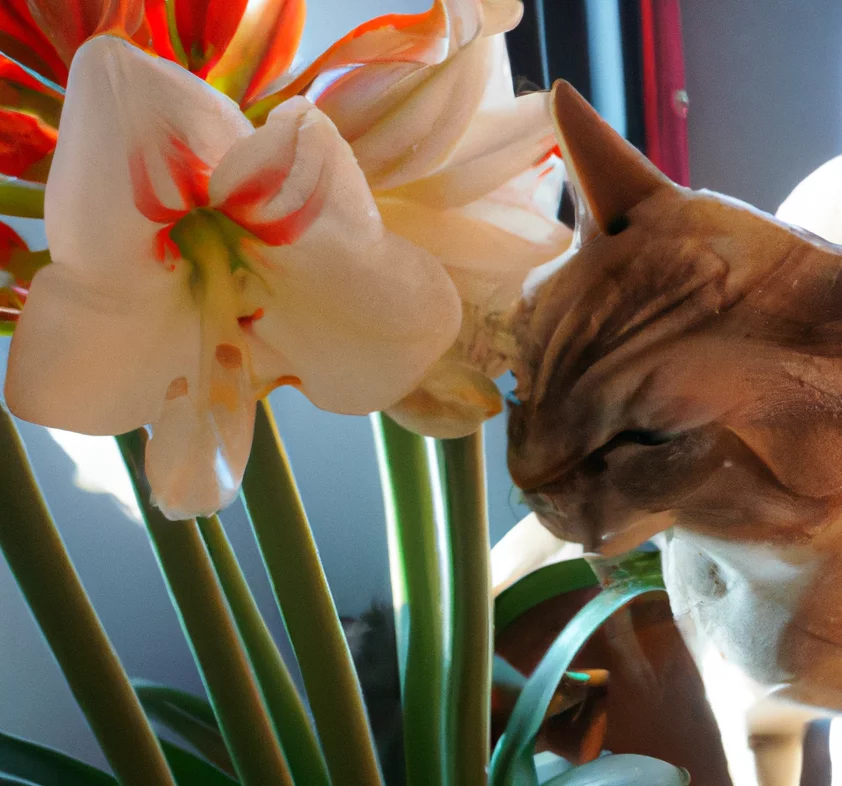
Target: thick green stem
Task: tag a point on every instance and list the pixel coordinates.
(21, 198)
(51, 586)
(207, 623)
(462, 467)
(292, 725)
(295, 571)
(418, 592)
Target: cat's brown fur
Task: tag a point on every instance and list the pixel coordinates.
(682, 371)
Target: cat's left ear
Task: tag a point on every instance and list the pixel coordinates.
(610, 175)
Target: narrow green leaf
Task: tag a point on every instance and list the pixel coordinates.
(189, 717)
(418, 591)
(8, 780)
(47, 767)
(187, 702)
(286, 710)
(289, 553)
(54, 593)
(468, 712)
(623, 770)
(190, 770)
(206, 621)
(535, 698)
(541, 585)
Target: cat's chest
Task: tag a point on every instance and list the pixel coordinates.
(751, 602)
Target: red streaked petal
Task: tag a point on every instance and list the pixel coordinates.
(159, 29)
(262, 49)
(21, 38)
(413, 38)
(10, 241)
(205, 28)
(69, 23)
(24, 141)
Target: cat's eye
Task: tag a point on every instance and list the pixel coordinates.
(642, 437)
(617, 225)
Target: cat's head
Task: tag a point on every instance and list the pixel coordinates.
(682, 364)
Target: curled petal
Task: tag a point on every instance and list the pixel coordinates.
(21, 38)
(205, 27)
(69, 23)
(500, 16)
(453, 400)
(408, 38)
(410, 123)
(492, 236)
(816, 202)
(499, 145)
(24, 142)
(262, 49)
(355, 314)
(98, 359)
(139, 135)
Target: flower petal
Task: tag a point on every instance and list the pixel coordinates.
(69, 23)
(408, 38)
(498, 146)
(816, 202)
(453, 400)
(407, 125)
(500, 16)
(262, 49)
(97, 358)
(505, 232)
(201, 443)
(139, 135)
(21, 39)
(24, 142)
(205, 27)
(356, 314)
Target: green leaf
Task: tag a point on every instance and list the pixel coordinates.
(152, 693)
(8, 780)
(626, 580)
(549, 766)
(188, 716)
(538, 586)
(46, 767)
(190, 770)
(418, 592)
(623, 770)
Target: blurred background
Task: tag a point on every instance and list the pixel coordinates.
(764, 79)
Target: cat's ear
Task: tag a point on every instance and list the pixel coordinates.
(610, 176)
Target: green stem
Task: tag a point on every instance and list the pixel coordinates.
(207, 623)
(295, 571)
(418, 591)
(292, 725)
(43, 570)
(462, 467)
(21, 198)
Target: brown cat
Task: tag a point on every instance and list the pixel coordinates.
(680, 372)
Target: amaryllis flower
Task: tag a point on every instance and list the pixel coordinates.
(198, 263)
(461, 167)
(244, 48)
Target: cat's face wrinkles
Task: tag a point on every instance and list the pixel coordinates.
(684, 365)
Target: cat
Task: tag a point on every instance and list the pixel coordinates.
(679, 375)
